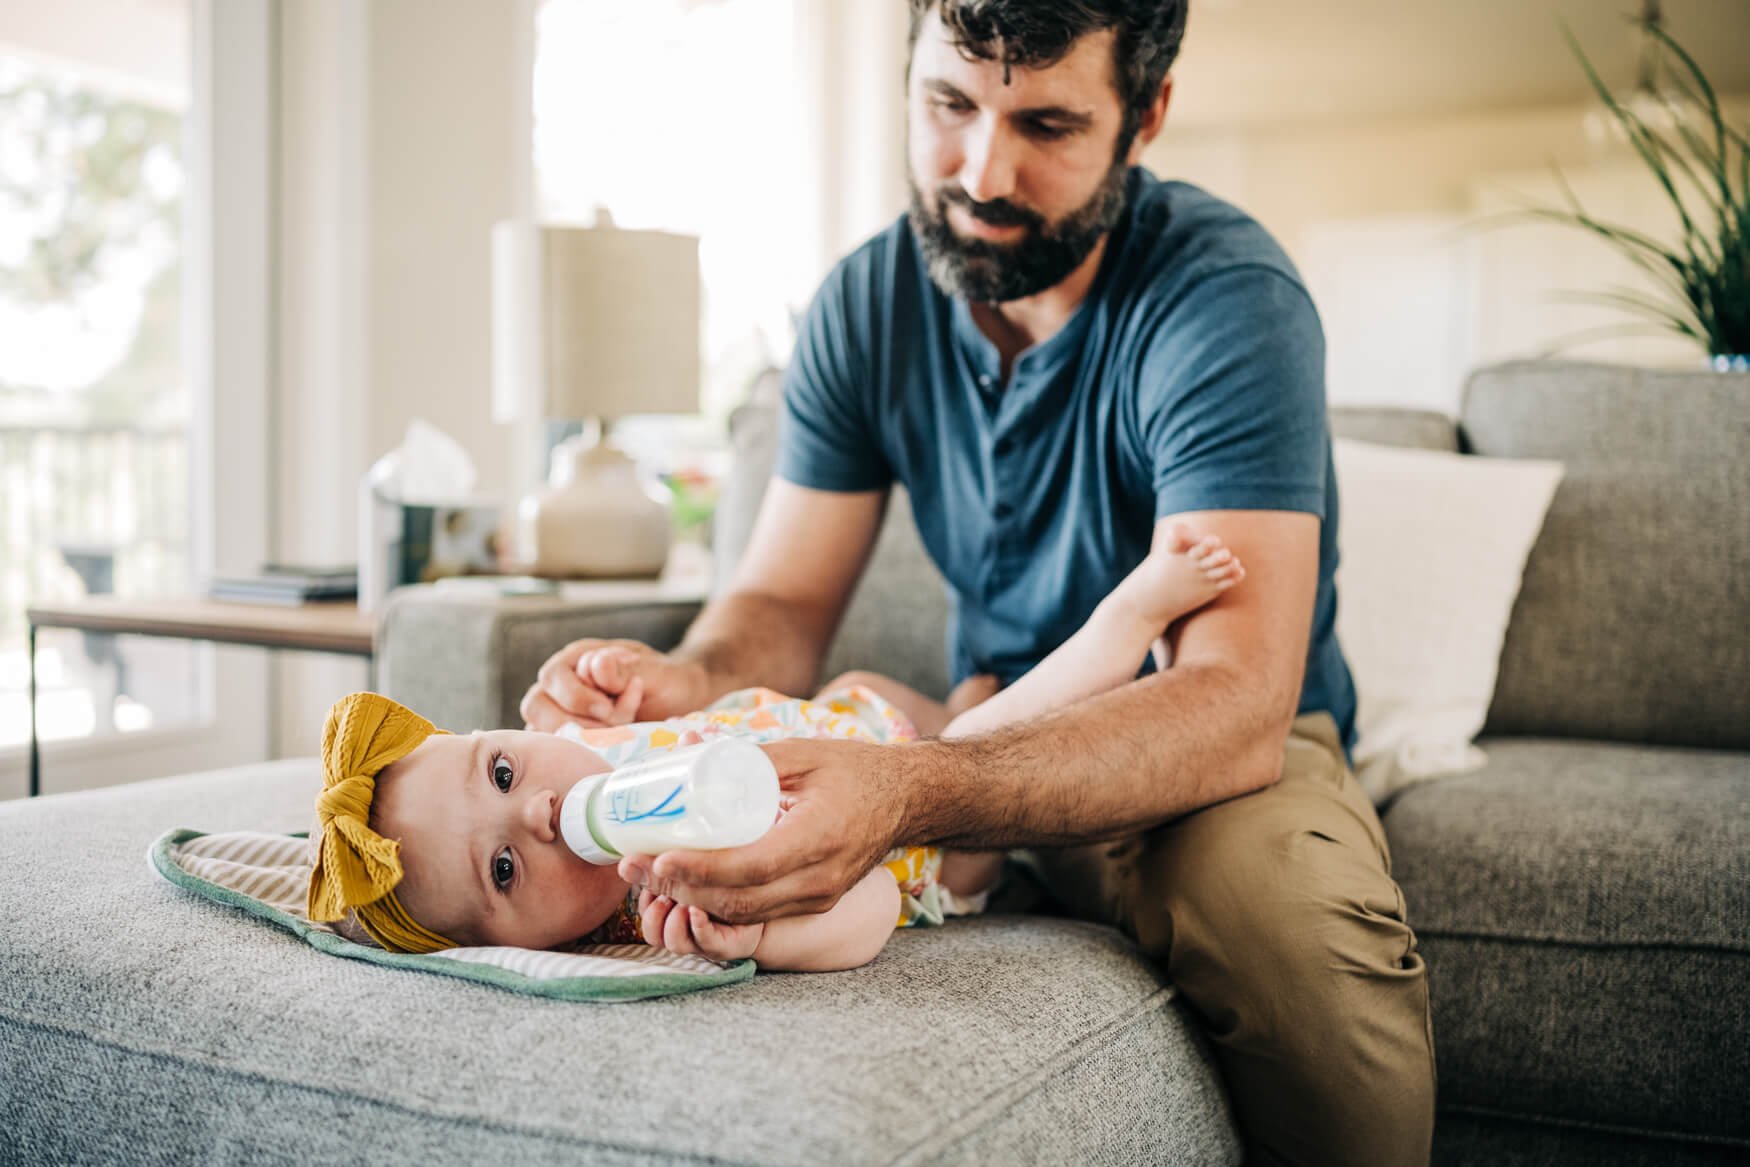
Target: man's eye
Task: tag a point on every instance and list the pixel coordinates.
(949, 105)
(502, 775)
(1047, 131)
(503, 868)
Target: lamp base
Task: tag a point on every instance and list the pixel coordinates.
(593, 519)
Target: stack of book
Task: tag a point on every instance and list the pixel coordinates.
(289, 584)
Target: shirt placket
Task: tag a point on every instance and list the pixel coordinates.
(1008, 456)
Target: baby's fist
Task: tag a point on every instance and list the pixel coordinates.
(693, 931)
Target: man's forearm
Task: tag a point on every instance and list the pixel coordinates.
(749, 638)
(1117, 763)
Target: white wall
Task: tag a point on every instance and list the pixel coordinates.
(449, 156)
(1383, 216)
(404, 137)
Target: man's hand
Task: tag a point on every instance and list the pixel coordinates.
(844, 807)
(610, 682)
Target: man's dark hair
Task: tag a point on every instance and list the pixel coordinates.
(1036, 33)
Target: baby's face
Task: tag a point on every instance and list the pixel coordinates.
(477, 818)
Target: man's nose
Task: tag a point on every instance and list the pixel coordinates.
(987, 171)
(540, 812)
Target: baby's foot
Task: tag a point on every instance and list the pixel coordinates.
(1182, 575)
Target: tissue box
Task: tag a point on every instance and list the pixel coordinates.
(441, 541)
(409, 543)
(419, 518)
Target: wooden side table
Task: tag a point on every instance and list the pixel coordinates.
(327, 627)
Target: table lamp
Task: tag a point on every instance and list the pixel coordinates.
(590, 324)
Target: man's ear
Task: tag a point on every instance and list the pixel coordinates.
(1153, 121)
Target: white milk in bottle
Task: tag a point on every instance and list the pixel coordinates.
(720, 794)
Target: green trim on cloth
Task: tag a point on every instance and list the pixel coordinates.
(638, 971)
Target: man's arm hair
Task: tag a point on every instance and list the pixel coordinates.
(1210, 728)
(790, 589)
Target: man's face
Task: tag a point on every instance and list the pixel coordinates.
(477, 818)
(1012, 185)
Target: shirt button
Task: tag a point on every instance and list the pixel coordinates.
(984, 382)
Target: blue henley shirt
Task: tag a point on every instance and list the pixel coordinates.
(1190, 378)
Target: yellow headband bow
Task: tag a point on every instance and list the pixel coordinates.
(356, 868)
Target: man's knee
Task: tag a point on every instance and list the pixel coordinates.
(1269, 919)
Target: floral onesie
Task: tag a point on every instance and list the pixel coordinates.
(854, 713)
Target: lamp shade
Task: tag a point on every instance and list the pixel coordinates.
(593, 322)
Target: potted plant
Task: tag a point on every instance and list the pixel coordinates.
(1703, 166)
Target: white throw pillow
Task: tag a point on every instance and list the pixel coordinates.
(1433, 546)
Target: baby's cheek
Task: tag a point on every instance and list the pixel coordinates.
(584, 896)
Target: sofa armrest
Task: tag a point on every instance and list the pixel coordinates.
(464, 659)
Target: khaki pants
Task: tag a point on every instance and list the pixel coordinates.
(1276, 916)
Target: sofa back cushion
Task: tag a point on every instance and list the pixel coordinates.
(1389, 425)
(898, 616)
(1631, 620)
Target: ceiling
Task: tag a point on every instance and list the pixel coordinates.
(1255, 61)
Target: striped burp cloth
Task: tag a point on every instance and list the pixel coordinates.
(267, 875)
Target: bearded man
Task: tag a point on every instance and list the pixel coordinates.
(1060, 356)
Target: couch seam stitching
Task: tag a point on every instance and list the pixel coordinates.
(223, 1070)
(1569, 942)
(1536, 1119)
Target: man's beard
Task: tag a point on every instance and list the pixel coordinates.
(993, 273)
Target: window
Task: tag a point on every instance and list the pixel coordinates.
(136, 268)
(94, 401)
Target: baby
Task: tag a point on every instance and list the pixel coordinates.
(427, 840)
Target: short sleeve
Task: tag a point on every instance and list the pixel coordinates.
(1231, 402)
(827, 436)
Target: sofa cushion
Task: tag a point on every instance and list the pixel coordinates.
(1386, 425)
(464, 659)
(1584, 909)
(139, 1021)
(1629, 625)
(897, 619)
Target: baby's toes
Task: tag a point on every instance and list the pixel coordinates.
(1205, 547)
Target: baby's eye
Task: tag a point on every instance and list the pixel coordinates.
(502, 774)
(503, 868)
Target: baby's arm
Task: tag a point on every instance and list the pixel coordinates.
(846, 935)
(1179, 576)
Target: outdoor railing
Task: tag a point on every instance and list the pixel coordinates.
(90, 509)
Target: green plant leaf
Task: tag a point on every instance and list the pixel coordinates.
(1640, 137)
(1632, 302)
(1631, 245)
(1709, 100)
(1703, 278)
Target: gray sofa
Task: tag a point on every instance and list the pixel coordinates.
(1583, 902)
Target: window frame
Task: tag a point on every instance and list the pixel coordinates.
(229, 224)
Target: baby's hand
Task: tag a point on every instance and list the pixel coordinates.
(679, 928)
(611, 670)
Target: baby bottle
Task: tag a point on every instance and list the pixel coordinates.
(720, 794)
